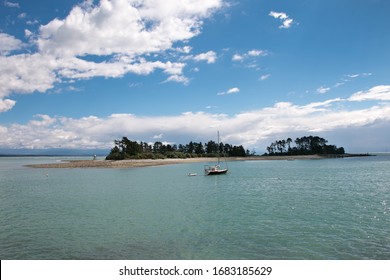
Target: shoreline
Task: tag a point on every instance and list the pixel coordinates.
(132, 163)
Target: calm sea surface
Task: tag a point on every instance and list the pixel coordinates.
(302, 209)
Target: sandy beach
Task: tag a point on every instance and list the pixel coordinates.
(157, 162)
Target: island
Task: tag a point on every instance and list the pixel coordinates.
(127, 153)
(306, 145)
(128, 149)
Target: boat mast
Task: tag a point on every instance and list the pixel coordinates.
(218, 148)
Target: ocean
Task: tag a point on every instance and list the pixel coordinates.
(328, 209)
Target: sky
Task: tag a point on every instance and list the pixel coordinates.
(80, 74)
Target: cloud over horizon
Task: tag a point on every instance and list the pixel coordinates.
(257, 127)
(96, 70)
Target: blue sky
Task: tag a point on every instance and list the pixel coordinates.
(78, 74)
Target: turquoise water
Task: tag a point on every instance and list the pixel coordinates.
(306, 209)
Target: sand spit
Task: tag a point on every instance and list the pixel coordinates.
(156, 162)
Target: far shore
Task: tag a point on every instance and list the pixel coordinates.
(156, 162)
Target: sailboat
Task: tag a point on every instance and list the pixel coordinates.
(215, 169)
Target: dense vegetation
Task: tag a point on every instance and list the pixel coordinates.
(127, 149)
(307, 145)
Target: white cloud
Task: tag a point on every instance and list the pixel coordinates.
(253, 129)
(237, 57)
(159, 136)
(43, 121)
(287, 23)
(255, 52)
(265, 77)
(26, 73)
(358, 75)
(6, 104)
(209, 56)
(233, 90)
(178, 79)
(11, 4)
(323, 89)
(9, 43)
(22, 16)
(376, 93)
(345, 79)
(27, 33)
(229, 91)
(249, 54)
(75, 68)
(278, 15)
(124, 34)
(338, 84)
(185, 49)
(125, 27)
(286, 20)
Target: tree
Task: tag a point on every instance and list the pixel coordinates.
(288, 141)
(238, 151)
(212, 147)
(305, 145)
(199, 150)
(126, 148)
(190, 148)
(157, 147)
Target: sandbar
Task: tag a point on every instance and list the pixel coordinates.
(156, 162)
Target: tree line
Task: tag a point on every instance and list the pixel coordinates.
(307, 145)
(128, 149)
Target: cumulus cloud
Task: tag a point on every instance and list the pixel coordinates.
(122, 34)
(8, 44)
(126, 27)
(237, 57)
(26, 73)
(6, 104)
(253, 129)
(178, 79)
(209, 57)
(286, 20)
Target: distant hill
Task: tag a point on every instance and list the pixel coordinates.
(52, 152)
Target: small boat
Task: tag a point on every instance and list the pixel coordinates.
(215, 169)
(192, 174)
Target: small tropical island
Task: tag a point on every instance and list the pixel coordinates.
(128, 149)
(307, 145)
(127, 153)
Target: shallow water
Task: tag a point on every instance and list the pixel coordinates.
(302, 209)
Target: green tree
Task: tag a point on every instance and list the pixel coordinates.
(212, 147)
